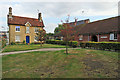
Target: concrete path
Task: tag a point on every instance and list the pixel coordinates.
(43, 49)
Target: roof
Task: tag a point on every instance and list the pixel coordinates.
(73, 24)
(101, 26)
(18, 20)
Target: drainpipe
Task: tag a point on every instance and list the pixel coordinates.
(98, 37)
(88, 37)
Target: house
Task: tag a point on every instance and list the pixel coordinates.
(98, 31)
(23, 28)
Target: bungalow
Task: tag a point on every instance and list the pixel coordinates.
(98, 31)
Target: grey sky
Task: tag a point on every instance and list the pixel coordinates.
(53, 12)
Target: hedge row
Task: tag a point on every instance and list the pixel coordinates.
(101, 46)
(59, 42)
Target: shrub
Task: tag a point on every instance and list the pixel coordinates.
(59, 42)
(3, 42)
(13, 43)
(23, 41)
(101, 45)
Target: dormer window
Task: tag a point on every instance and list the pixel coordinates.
(27, 29)
(17, 28)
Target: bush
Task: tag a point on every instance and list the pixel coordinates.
(23, 41)
(101, 45)
(13, 43)
(59, 42)
(3, 42)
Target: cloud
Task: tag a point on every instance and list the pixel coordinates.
(58, 9)
(50, 27)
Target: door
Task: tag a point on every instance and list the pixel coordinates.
(27, 39)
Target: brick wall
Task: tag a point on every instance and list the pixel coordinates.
(102, 38)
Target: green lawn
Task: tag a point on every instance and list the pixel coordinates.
(80, 63)
(10, 48)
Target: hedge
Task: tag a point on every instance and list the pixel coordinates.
(101, 46)
(59, 42)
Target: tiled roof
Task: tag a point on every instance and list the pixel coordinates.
(18, 20)
(101, 26)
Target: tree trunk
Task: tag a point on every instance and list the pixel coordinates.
(67, 47)
(41, 44)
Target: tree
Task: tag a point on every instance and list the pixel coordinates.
(67, 33)
(49, 35)
(58, 29)
(41, 36)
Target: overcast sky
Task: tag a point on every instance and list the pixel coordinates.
(55, 11)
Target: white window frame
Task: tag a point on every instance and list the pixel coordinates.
(17, 40)
(80, 37)
(16, 30)
(61, 38)
(35, 29)
(112, 36)
(27, 29)
(35, 39)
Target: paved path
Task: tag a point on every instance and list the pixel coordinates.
(43, 49)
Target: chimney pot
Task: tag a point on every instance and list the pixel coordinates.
(39, 17)
(10, 12)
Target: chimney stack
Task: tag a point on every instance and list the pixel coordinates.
(10, 12)
(39, 17)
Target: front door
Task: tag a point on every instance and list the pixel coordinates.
(27, 39)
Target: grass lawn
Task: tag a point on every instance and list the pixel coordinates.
(10, 48)
(80, 63)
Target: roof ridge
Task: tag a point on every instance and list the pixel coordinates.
(25, 17)
(103, 19)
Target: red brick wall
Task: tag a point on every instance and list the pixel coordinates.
(118, 37)
(85, 38)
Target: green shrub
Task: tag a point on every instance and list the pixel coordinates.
(59, 42)
(3, 42)
(23, 41)
(101, 45)
(13, 43)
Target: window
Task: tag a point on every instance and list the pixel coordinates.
(61, 38)
(81, 37)
(27, 29)
(36, 38)
(17, 38)
(113, 36)
(17, 28)
(36, 29)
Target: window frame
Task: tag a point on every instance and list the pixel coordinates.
(35, 38)
(35, 29)
(80, 37)
(115, 37)
(112, 36)
(26, 29)
(16, 38)
(16, 29)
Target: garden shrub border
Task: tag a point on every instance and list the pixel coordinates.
(111, 46)
(73, 44)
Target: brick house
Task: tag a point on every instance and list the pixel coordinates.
(23, 28)
(98, 31)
